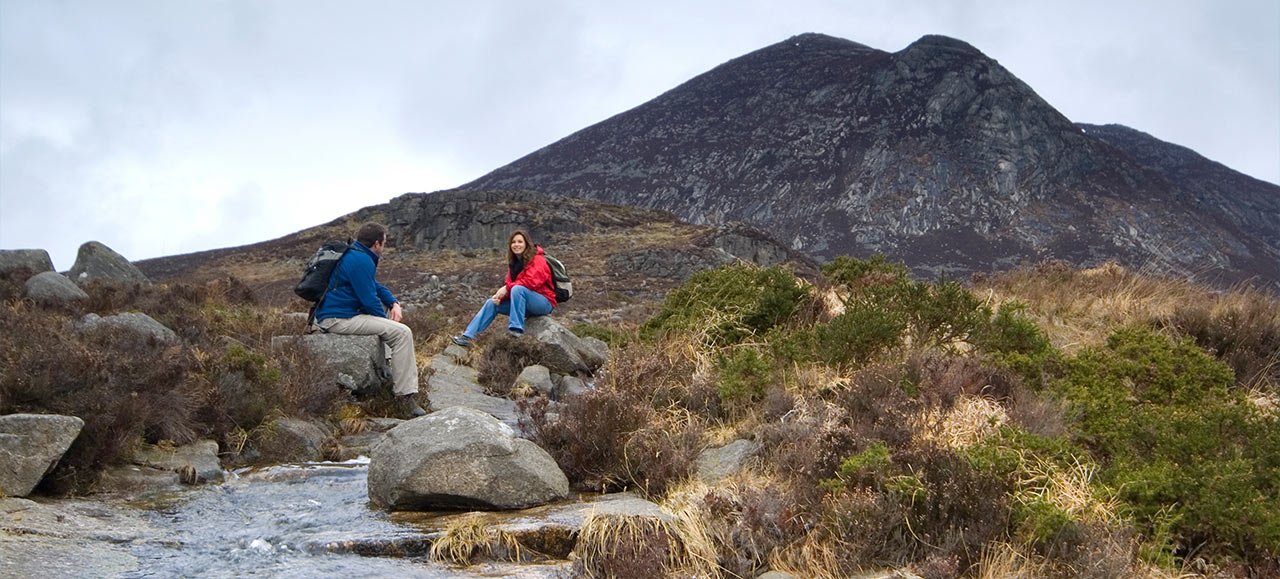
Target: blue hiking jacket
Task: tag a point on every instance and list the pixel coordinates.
(355, 291)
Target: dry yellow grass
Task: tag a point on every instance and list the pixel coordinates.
(468, 537)
(610, 539)
(968, 422)
(1079, 308)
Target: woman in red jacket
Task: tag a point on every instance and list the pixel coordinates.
(529, 291)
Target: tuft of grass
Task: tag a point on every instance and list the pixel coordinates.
(617, 546)
(469, 538)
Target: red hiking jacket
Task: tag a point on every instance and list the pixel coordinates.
(536, 276)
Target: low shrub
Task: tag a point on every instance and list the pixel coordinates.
(728, 304)
(614, 338)
(851, 270)
(503, 360)
(744, 376)
(1182, 448)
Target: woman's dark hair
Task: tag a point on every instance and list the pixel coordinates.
(530, 249)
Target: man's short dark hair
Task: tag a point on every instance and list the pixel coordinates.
(371, 233)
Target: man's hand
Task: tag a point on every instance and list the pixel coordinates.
(396, 313)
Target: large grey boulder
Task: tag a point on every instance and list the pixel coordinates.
(461, 458)
(30, 446)
(96, 261)
(565, 352)
(33, 260)
(359, 362)
(136, 322)
(52, 288)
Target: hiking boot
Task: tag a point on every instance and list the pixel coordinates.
(515, 333)
(462, 340)
(407, 406)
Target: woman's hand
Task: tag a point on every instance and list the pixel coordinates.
(498, 295)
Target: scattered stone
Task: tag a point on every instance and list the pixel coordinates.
(292, 440)
(359, 362)
(461, 458)
(30, 446)
(96, 261)
(52, 288)
(201, 455)
(537, 377)
(33, 260)
(715, 464)
(130, 322)
(570, 386)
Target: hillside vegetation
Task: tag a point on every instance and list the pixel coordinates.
(1042, 422)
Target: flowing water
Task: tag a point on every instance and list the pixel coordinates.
(310, 520)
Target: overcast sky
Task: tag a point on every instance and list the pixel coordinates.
(161, 127)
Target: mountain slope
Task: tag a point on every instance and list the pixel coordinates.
(934, 154)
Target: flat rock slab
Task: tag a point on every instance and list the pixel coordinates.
(448, 391)
(201, 455)
(70, 538)
(444, 364)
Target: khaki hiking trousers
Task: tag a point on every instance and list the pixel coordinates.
(397, 336)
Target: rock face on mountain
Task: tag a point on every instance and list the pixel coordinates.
(934, 154)
(480, 219)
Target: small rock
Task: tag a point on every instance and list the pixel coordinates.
(537, 377)
(292, 440)
(131, 322)
(715, 464)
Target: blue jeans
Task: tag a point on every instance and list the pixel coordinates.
(521, 302)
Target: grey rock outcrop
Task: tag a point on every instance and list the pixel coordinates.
(358, 362)
(136, 322)
(669, 263)
(96, 261)
(30, 446)
(564, 351)
(714, 464)
(32, 260)
(537, 377)
(455, 385)
(51, 288)
(461, 458)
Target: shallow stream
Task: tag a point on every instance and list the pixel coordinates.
(310, 520)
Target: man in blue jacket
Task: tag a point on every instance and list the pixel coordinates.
(357, 304)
